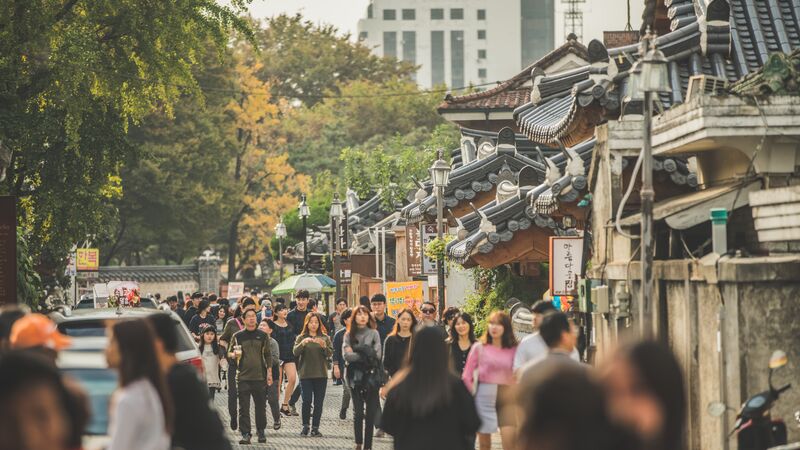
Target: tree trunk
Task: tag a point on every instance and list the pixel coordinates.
(233, 247)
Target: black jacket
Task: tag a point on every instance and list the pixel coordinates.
(296, 319)
(197, 426)
(448, 427)
(395, 349)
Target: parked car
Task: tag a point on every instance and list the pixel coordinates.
(87, 327)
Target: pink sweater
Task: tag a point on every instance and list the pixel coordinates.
(495, 365)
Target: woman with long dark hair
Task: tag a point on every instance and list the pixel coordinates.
(490, 364)
(462, 336)
(395, 348)
(283, 333)
(646, 394)
(312, 349)
(362, 352)
(430, 408)
(141, 411)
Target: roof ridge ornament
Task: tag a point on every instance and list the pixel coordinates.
(552, 173)
(486, 225)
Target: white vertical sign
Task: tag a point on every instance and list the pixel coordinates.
(566, 261)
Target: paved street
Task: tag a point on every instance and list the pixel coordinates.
(337, 433)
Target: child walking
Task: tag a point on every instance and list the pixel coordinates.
(211, 354)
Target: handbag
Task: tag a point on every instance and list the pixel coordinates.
(476, 372)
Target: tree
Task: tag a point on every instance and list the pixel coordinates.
(75, 76)
(306, 61)
(266, 184)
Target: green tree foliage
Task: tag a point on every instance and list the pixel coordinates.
(493, 288)
(389, 166)
(366, 111)
(75, 75)
(29, 284)
(306, 61)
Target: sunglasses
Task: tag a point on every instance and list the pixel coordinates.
(427, 311)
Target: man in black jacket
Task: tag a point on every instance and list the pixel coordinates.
(197, 426)
(296, 319)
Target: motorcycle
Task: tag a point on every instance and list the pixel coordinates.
(755, 428)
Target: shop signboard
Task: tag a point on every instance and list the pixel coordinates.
(566, 260)
(401, 295)
(413, 251)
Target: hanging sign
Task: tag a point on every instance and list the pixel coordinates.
(88, 259)
(235, 289)
(428, 234)
(345, 269)
(566, 260)
(342, 237)
(413, 251)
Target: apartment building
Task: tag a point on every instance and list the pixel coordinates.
(460, 42)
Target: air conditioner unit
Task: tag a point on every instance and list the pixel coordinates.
(600, 301)
(705, 85)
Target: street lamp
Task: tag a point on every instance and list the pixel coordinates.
(302, 210)
(280, 232)
(650, 75)
(337, 214)
(440, 174)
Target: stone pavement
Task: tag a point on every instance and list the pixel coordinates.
(336, 433)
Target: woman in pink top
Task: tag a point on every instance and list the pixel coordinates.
(492, 360)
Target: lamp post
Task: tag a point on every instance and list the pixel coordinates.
(337, 214)
(280, 232)
(302, 210)
(648, 76)
(440, 174)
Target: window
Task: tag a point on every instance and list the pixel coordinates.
(437, 14)
(369, 11)
(362, 36)
(437, 58)
(389, 14)
(481, 34)
(481, 73)
(481, 14)
(481, 54)
(409, 14)
(390, 44)
(456, 13)
(410, 46)
(457, 59)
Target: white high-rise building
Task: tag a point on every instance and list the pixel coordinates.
(460, 42)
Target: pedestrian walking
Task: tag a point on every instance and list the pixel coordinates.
(362, 352)
(252, 351)
(646, 394)
(221, 319)
(384, 324)
(191, 308)
(211, 354)
(233, 326)
(197, 425)
(203, 317)
(560, 336)
(462, 337)
(397, 344)
(283, 332)
(488, 374)
(35, 401)
(448, 316)
(273, 390)
(430, 408)
(564, 407)
(532, 347)
(335, 318)
(141, 408)
(339, 363)
(428, 319)
(312, 349)
(297, 318)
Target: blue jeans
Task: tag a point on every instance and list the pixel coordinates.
(313, 390)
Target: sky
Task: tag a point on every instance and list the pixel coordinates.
(599, 15)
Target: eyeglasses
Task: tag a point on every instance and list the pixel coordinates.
(427, 311)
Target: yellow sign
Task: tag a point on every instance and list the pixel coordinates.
(401, 295)
(88, 259)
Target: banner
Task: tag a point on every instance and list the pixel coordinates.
(401, 295)
(566, 260)
(88, 259)
(235, 290)
(428, 234)
(413, 251)
(124, 293)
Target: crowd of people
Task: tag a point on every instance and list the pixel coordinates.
(429, 383)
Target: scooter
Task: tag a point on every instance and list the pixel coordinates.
(755, 427)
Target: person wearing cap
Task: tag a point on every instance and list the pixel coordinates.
(37, 334)
(8, 315)
(192, 310)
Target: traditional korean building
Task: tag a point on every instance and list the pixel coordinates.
(724, 137)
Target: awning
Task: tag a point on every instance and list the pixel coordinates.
(692, 209)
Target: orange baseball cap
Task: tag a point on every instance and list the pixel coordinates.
(36, 330)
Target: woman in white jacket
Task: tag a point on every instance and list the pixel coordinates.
(141, 408)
